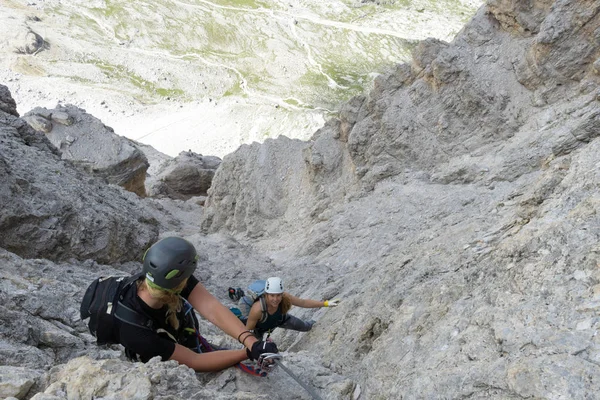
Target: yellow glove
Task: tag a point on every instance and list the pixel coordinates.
(331, 303)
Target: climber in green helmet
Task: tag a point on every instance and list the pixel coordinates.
(166, 294)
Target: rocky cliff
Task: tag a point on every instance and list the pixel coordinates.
(453, 209)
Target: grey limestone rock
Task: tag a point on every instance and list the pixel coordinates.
(453, 211)
(185, 176)
(7, 103)
(15, 382)
(87, 142)
(51, 209)
(19, 37)
(520, 17)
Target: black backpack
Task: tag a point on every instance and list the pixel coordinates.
(101, 303)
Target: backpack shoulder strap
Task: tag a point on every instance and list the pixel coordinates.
(132, 279)
(132, 317)
(263, 308)
(127, 314)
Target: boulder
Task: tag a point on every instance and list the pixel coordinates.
(185, 176)
(17, 36)
(16, 382)
(89, 143)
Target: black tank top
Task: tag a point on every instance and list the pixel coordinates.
(273, 321)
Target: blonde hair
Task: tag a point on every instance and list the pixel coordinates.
(286, 303)
(171, 298)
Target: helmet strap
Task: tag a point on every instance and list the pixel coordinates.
(155, 286)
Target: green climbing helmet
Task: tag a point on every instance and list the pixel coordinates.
(169, 262)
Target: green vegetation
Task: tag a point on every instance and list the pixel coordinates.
(77, 20)
(448, 6)
(292, 102)
(218, 35)
(122, 74)
(235, 90)
(169, 92)
(111, 9)
(322, 93)
(365, 9)
(242, 3)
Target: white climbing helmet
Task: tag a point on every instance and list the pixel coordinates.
(274, 285)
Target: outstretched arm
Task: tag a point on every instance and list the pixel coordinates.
(306, 303)
(211, 308)
(207, 362)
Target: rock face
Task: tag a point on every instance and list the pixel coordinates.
(454, 210)
(7, 103)
(257, 184)
(185, 176)
(87, 142)
(47, 352)
(456, 114)
(50, 209)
